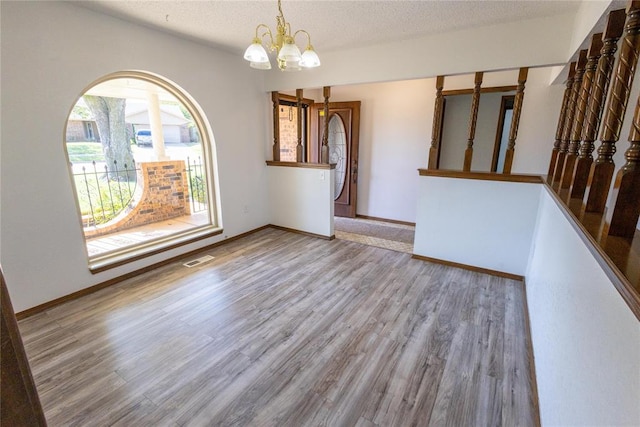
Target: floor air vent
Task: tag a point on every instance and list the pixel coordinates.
(198, 261)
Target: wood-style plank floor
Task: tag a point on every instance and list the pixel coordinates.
(286, 330)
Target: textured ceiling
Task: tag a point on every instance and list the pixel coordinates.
(333, 25)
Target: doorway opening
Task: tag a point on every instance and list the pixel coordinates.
(502, 133)
(343, 139)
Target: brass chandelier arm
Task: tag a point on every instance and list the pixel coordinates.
(308, 37)
(283, 42)
(268, 32)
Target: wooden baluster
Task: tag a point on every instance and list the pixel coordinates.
(515, 121)
(275, 98)
(602, 169)
(437, 124)
(564, 143)
(475, 103)
(600, 86)
(324, 154)
(299, 109)
(623, 218)
(561, 120)
(584, 89)
(568, 124)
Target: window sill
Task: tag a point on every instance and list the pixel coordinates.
(127, 255)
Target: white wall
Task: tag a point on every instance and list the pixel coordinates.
(301, 198)
(395, 134)
(487, 126)
(50, 52)
(538, 122)
(487, 224)
(586, 341)
(455, 131)
(534, 42)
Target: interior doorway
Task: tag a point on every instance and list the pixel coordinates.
(343, 141)
(502, 133)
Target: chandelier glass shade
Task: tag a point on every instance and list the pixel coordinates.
(288, 56)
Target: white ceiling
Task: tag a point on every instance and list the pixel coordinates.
(333, 25)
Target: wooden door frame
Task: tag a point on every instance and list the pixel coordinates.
(506, 100)
(353, 134)
(441, 121)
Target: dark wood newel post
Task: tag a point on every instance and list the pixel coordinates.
(561, 120)
(599, 88)
(473, 120)
(583, 81)
(603, 168)
(515, 121)
(568, 124)
(437, 125)
(20, 402)
(299, 125)
(275, 98)
(324, 153)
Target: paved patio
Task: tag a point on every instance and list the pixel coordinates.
(132, 236)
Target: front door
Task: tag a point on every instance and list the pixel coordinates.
(343, 139)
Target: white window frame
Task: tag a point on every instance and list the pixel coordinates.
(115, 258)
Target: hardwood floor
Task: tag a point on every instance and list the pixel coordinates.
(282, 329)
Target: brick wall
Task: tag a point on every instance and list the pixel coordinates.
(288, 133)
(76, 131)
(163, 193)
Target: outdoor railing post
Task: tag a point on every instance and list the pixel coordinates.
(86, 183)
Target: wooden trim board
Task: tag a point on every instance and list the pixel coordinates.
(532, 364)
(91, 289)
(620, 282)
(492, 89)
(392, 221)
(302, 165)
(304, 233)
(469, 267)
(485, 176)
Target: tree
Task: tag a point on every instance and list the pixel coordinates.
(109, 115)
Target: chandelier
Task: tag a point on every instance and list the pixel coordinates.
(289, 57)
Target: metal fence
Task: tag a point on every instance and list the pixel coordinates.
(103, 193)
(197, 185)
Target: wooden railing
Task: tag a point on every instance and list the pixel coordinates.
(583, 184)
(476, 91)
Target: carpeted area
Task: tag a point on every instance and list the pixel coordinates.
(396, 237)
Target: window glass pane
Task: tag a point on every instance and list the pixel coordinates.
(337, 142)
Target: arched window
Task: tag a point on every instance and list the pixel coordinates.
(142, 164)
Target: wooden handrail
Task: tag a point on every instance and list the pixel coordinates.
(485, 176)
(619, 258)
(302, 165)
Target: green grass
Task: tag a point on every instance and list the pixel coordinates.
(94, 195)
(81, 152)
